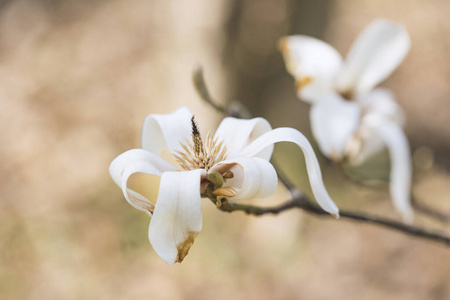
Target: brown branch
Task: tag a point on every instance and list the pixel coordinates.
(301, 201)
(305, 204)
(397, 226)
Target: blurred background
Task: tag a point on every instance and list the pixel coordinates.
(77, 78)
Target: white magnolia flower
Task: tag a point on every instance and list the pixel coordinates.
(238, 153)
(350, 118)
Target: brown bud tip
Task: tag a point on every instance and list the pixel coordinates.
(228, 175)
(226, 192)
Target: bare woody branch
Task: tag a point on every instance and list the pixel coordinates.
(303, 203)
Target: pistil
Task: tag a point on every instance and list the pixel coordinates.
(196, 155)
(197, 139)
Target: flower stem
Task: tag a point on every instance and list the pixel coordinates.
(202, 90)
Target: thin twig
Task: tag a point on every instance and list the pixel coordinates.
(398, 226)
(299, 200)
(428, 211)
(203, 92)
(303, 203)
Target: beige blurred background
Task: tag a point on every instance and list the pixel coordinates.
(77, 78)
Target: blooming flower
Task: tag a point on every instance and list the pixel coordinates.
(350, 118)
(233, 164)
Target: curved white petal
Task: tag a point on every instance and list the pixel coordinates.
(313, 63)
(137, 156)
(401, 169)
(137, 161)
(312, 165)
(333, 123)
(166, 131)
(377, 51)
(136, 199)
(254, 177)
(177, 218)
(238, 133)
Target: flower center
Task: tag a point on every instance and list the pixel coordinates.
(196, 155)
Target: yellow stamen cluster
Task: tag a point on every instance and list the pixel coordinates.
(196, 155)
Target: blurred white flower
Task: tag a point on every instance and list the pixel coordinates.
(232, 164)
(350, 118)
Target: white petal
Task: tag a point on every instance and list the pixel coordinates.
(312, 165)
(313, 63)
(177, 218)
(382, 103)
(166, 131)
(254, 177)
(137, 161)
(377, 51)
(363, 145)
(238, 133)
(333, 123)
(379, 106)
(137, 156)
(401, 169)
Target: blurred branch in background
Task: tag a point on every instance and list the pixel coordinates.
(373, 172)
(429, 211)
(299, 200)
(250, 55)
